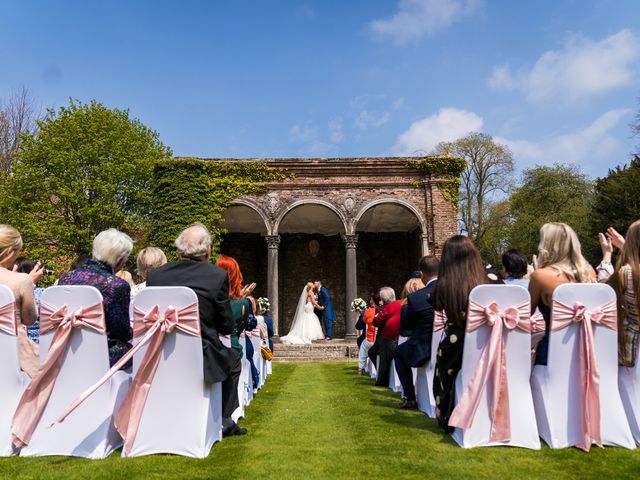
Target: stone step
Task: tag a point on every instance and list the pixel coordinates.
(312, 359)
(315, 352)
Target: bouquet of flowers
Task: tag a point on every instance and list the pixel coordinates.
(264, 304)
(358, 305)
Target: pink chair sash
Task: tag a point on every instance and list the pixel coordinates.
(8, 319)
(37, 394)
(156, 326)
(439, 320)
(607, 316)
(492, 366)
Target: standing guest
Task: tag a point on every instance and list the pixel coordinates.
(111, 249)
(460, 270)
(388, 323)
(375, 305)
(625, 280)
(559, 261)
(24, 265)
(22, 286)
(514, 268)
(211, 285)
(147, 260)
(416, 351)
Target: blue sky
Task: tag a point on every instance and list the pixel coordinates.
(554, 80)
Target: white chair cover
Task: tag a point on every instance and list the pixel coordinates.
(182, 415)
(89, 432)
(518, 360)
(556, 386)
(370, 368)
(629, 386)
(244, 395)
(13, 381)
(424, 379)
(257, 356)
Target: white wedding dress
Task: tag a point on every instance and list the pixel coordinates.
(306, 324)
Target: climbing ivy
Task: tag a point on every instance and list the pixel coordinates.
(187, 190)
(446, 171)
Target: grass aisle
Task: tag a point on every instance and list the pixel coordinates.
(320, 420)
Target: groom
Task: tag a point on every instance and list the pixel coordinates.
(325, 313)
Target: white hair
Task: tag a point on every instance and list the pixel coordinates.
(112, 247)
(194, 241)
(387, 295)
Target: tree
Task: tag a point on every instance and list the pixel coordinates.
(18, 117)
(88, 168)
(496, 238)
(561, 193)
(488, 173)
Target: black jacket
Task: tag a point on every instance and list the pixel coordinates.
(211, 285)
(418, 319)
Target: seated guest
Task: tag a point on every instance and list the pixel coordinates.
(147, 260)
(24, 265)
(211, 285)
(412, 285)
(111, 249)
(514, 268)
(388, 323)
(416, 351)
(459, 272)
(22, 286)
(375, 305)
(625, 280)
(126, 276)
(560, 261)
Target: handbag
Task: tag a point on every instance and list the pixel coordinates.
(266, 352)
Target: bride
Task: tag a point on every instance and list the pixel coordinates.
(306, 325)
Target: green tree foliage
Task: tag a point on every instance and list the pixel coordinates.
(496, 238)
(88, 168)
(617, 198)
(560, 193)
(188, 190)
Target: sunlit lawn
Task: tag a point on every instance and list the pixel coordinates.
(321, 420)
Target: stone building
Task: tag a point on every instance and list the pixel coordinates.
(354, 223)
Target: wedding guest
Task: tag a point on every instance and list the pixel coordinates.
(460, 270)
(211, 285)
(111, 249)
(263, 310)
(388, 323)
(412, 285)
(24, 265)
(22, 286)
(252, 329)
(625, 280)
(375, 305)
(559, 261)
(148, 259)
(126, 276)
(514, 268)
(416, 351)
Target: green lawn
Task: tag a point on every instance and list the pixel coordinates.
(321, 420)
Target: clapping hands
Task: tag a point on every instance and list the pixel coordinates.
(611, 238)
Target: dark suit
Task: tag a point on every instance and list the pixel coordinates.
(211, 285)
(269, 322)
(416, 351)
(327, 316)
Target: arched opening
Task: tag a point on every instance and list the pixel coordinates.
(244, 241)
(389, 245)
(311, 248)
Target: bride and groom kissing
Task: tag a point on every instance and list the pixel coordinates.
(314, 304)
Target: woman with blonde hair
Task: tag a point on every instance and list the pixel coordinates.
(560, 261)
(22, 286)
(147, 260)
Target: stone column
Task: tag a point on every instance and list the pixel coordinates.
(273, 243)
(425, 244)
(350, 243)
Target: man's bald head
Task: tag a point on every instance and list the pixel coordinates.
(194, 242)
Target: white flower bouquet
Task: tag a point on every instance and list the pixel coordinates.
(358, 305)
(264, 304)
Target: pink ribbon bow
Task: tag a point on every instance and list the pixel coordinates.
(607, 316)
(439, 320)
(36, 396)
(8, 319)
(156, 326)
(492, 365)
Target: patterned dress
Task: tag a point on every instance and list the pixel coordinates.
(116, 294)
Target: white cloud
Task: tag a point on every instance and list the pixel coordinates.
(592, 143)
(416, 18)
(581, 68)
(303, 133)
(447, 125)
(336, 135)
(366, 119)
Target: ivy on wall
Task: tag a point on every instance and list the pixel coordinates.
(446, 171)
(187, 190)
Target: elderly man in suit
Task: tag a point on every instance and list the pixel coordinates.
(211, 285)
(416, 351)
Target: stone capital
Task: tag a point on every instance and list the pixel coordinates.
(273, 241)
(350, 241)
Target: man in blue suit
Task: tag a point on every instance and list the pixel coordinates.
(325, 312)
(416, 351)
